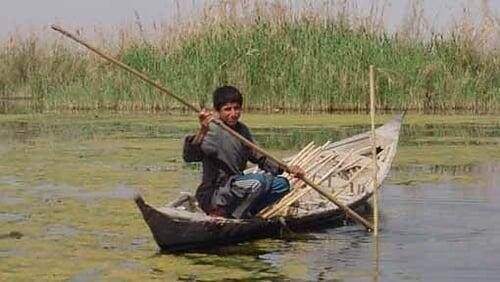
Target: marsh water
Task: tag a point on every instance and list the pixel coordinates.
(67, 182)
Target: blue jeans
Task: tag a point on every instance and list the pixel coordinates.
(260, 191)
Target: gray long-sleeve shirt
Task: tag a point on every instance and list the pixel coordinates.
(222, 156)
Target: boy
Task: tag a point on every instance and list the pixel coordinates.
(225, 190)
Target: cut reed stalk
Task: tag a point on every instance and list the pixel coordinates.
(292, 197)
(311, 171)
(297, 157)
(309, 160)
(298, 193)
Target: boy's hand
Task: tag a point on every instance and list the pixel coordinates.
(297, 171)
(205, 118)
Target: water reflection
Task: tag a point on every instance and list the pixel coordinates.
(441, 232)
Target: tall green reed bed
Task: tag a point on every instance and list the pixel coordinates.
(299, 63)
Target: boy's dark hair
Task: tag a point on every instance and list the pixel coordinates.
(226, 94)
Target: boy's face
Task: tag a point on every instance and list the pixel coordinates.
(230, 113)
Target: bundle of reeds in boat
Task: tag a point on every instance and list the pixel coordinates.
(342, 170)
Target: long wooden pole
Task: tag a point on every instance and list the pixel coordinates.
(374, 151)
(348, 211)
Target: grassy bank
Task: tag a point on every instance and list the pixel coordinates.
(281, 61)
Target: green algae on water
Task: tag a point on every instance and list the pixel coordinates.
(69, 180)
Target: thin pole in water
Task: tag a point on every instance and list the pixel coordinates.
(374, 151)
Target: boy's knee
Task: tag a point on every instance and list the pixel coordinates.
(281, 185)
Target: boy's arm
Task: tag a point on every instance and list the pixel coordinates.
(192, 151)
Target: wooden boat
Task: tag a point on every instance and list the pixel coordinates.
(343, 167)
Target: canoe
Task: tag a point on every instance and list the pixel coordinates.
(344, 167)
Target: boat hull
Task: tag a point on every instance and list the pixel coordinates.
(176, 230)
